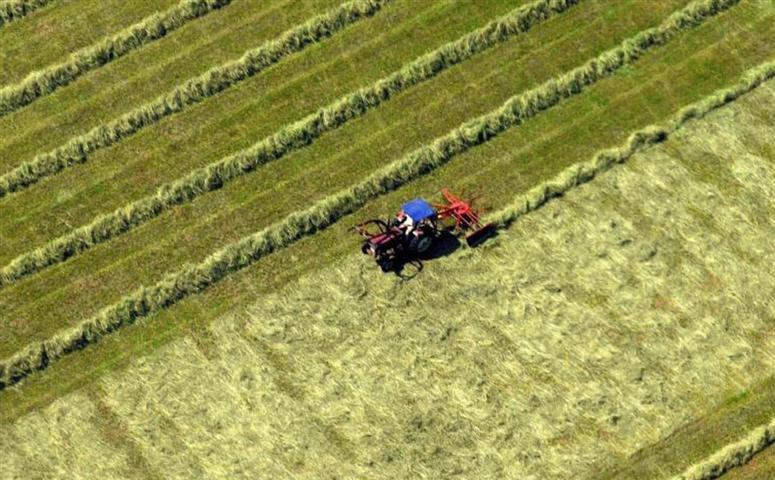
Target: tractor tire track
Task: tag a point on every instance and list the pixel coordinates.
(281, 143)
(44, 82)
(194, 278)
(193, 91)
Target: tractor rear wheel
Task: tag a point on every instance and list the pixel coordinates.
(420, 244)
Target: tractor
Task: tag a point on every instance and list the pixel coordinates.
(414, 229)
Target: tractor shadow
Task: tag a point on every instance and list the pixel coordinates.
(444, 245)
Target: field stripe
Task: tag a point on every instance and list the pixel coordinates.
(638, 141)
(193, 91)
(44, 82)
(287, 139)
(11, 10)
(732, 455)
(194, 278)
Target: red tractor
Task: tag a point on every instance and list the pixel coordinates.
(417, 225)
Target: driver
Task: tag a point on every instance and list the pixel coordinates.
(404, 222)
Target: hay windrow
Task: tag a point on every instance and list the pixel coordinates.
(44, 82)
(11, 10)
(640, 140)
(536, 369)
(240, 254)
(287, 139)
(732, 455)
(77, 149)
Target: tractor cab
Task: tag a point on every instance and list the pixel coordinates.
(419, 210)
(417, 222)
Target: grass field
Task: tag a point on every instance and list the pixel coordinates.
(234, 332)
(763, 466)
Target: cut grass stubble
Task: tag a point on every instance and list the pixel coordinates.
(602, 161)
(11, 10)
(731, 456)
(284, 141)
(193, 91)
(46, 81)
(238, 255)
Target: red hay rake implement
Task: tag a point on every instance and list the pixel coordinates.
(413, 230)
(466, 218)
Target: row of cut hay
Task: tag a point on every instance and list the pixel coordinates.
(242, 253)
(11, 10)
(43, 82)
(732, 455)
(289, 138)
(602, 161)
(193, 91)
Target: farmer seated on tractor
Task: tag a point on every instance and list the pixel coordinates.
(415, 216)
(404, 222)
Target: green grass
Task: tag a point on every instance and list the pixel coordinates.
(195, 90)
(291, 137)
(43, 82)
(623, 327)
(520, 376)
(51, 33)
(109, 92)
(131, 172)
(375, 150)
(40, 321)
(739, 413)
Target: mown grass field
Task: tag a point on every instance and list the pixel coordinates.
(583, 342)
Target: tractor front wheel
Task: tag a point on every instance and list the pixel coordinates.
(386, 264)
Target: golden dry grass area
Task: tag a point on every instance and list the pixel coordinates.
(589, 330)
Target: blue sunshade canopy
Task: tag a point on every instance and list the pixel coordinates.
(418, 210)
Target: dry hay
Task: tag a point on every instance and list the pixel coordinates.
(593, 327)
(61, 441)
(11, 10)
(46, 81)
(192, 91)
(194, 278)
(733, 455)
(230, 416)
(287, 139)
